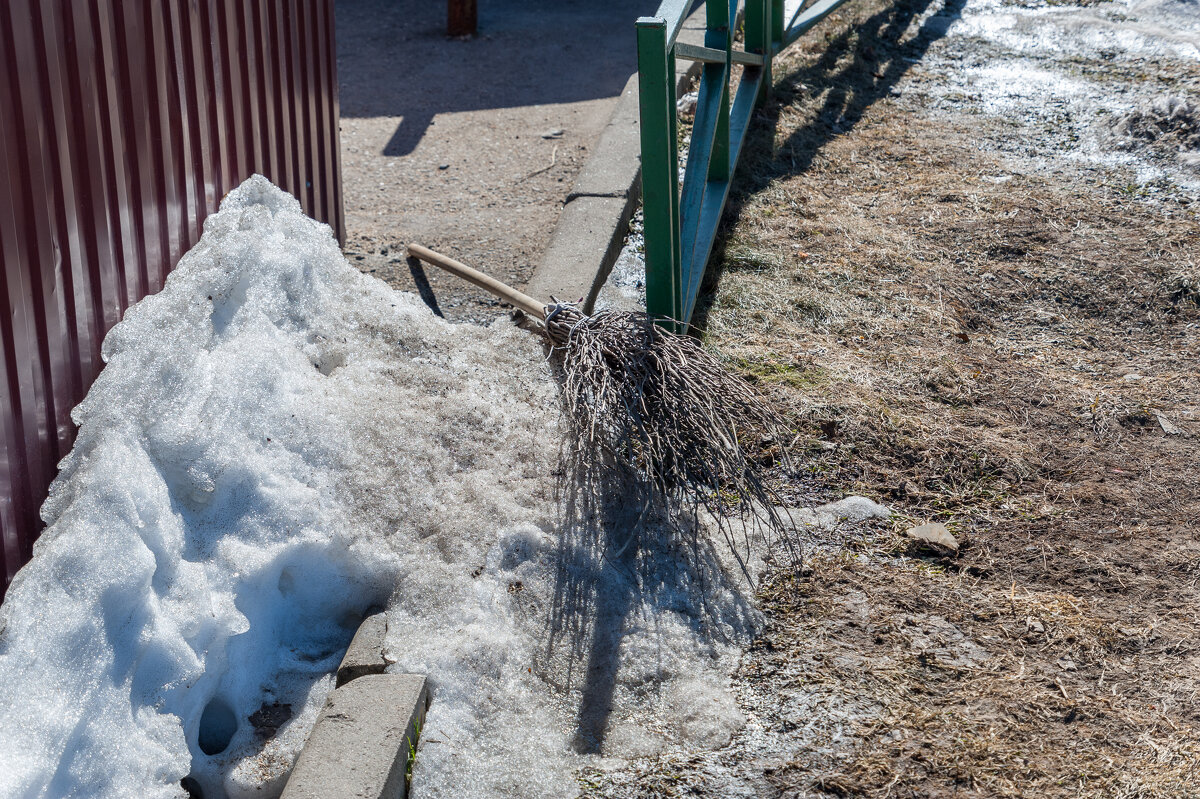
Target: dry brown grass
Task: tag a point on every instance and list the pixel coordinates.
(993, 350)
(1011, 352)
(983, 690)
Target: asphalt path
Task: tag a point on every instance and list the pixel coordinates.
(470, 146)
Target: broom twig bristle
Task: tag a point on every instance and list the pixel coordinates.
(656, 406)
(661, 404)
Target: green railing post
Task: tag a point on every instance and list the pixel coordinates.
(679, 324)
(660, 168)
(718, 35)
(776, 26)
(759, 21)
(710, 158)
(775, 44)
(680, 227)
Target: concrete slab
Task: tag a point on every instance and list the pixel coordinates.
(615, 167)
(359, 747)
(365, 653)
(586, 242)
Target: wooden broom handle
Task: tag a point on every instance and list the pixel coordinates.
(510, 295)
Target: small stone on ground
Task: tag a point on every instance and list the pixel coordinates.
(933, 537)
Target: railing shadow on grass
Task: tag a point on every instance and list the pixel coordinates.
(880, 60)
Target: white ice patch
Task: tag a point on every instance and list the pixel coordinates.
(1126, 28)
(277, 443)
(1057, 77)
(625, 287)
(1015, 86)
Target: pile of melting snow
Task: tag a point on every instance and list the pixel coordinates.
(277, 444)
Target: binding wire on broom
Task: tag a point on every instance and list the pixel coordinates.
(658, 405)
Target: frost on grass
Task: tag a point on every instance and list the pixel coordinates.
(278, 443)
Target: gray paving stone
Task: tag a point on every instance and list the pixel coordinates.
(365, 653)
(359, 747)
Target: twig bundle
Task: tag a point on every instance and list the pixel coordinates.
(657, 403)
(635, 392)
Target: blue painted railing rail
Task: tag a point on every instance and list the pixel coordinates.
(681, 220)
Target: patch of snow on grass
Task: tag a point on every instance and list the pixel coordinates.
(1151, 28)
(1067, 74)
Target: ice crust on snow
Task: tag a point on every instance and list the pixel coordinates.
(278, 443)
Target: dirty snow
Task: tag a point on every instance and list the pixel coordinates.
(1170, 123)
(278, 443)
(1070, 78)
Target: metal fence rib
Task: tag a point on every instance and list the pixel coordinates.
(681, 224)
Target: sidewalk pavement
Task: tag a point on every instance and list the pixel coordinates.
(471, 146)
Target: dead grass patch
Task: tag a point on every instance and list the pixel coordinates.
(984, 690)
(993, 350)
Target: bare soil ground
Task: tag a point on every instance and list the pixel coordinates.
(975, 333)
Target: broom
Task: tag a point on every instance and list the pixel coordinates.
(658, 403)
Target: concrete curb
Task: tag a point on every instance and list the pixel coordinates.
(591, 229)
(362, 741)
(365, 653)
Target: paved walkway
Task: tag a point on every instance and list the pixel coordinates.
(471, 146)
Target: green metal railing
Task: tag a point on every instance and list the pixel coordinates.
(681, 222)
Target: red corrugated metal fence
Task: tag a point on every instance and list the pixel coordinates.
(122, 124)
